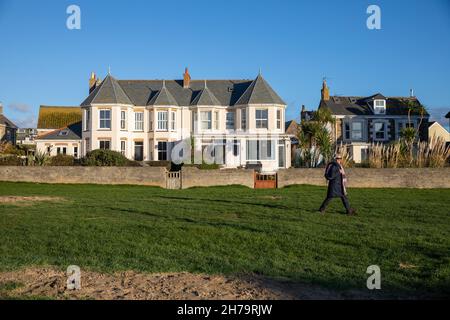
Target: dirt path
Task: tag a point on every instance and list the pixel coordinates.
(50, 282)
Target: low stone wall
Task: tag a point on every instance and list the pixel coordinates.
(372, 178)
(148, 176)
(194, 177)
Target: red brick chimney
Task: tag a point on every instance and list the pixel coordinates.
(186, 78)
(92, 82)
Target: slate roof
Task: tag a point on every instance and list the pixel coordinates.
(71, 132)
(205, 98)
(54, 117)
(447, 115)
(353, 105)
(259, 91)
(6, 122)
(143, 92)
(163, 98)
(109, 91)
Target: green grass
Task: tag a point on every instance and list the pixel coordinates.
(235, 230)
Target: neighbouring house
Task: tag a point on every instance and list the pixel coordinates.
(8, 130)
(292, 130)
(448, 117)
(244, 120)
(59, 130)
(435, 129)
(26, 136)
(361, 121)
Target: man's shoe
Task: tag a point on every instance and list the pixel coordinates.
(351, 212)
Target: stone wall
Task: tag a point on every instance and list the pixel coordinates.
(194, 177)
(372, 178)
(148, 176)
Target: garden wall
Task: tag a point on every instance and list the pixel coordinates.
(149, 176)
(372, 178)
(194, 177)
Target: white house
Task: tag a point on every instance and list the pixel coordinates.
(240, 121)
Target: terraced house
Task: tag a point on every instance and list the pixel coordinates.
(361, 121)
(240, 122)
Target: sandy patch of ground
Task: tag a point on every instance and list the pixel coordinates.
(28, 201)
(50, 282)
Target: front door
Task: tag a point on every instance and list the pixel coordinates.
(281, 156)
(233, 156)
(139, 151)
(162, 150)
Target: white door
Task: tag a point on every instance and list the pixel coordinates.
(233, 156)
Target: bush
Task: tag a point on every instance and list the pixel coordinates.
(11, 161)
(105, 158)
(62, 160)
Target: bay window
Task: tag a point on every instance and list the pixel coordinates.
(172, 121)
(139, 121)
(123, 119)
(163, 121)
(205, 120)
(243, 119)
(230, 120)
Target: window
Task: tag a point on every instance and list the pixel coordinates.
(123, 147)
(162, 150)
(151, 120)
(172, 121)
(139, 121)
(260, 150)
(205, 120)
(87, 119)
(139, 150)
(87, 145)
(236, 147)
(49, 150)
(75, 152)
(357, 130)
(402, 124)
(230, 120)
(262, 118)
(105, 144)
(243, 119)
(123, 120)
(346, 131)
(63, 133)
(379, 106)
(278, 119)
(105, 119)
(162, 120)
(61, 150)
(379, 129)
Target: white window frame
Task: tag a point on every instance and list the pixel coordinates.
(230, 123)
(163, 121)
(87, 119)
(123, 119)
(243, 119)
(352, 130)
(172, 120)
(151, 119)
(379, 109)
(374, 133)
(279, 119)
(206, 120)
(104, 140)
(261, 121)
(106, 120)
(75, 152)
(139, 121)
(216, 120)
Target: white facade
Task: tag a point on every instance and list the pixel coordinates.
(149, 133)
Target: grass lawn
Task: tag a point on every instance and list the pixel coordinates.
(234, 230)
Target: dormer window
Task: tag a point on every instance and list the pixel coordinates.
(379, 106)
(63, 133)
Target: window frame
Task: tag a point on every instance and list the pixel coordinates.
(104, 141)
(207, 121)
(379, 109)
(138, 123)
(230, 123)
(278, 119)
(106, 120)
(243, 119)
(374, 132)
(261, 120)
(172, 120)
(123, 147)
(123, 120)
(163, 120)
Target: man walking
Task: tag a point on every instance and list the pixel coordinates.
(337, 181)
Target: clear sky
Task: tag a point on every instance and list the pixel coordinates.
(295, 43)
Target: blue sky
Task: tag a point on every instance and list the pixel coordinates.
(295, 43)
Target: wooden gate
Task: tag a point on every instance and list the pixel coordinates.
(265, 180)
(173, 180)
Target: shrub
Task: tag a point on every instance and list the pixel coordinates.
(11, 161)
(62, 160)
(106, 158)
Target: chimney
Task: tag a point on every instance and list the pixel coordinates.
(411, 93)
(186, 78)
(92, 82)
(325, 92)
(1, 108)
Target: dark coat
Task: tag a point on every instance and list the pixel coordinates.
(335, 183)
